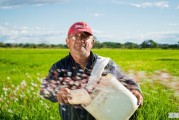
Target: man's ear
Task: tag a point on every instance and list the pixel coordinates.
(92, 42)
(67, 42)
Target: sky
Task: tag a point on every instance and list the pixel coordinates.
(48, 21)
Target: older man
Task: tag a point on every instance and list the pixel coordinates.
(74, 70)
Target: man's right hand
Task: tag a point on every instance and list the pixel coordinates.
(63, 96)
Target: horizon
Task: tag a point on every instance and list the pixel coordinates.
(98, 41)
(119, 21)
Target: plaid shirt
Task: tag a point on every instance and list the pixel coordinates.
(66, 73)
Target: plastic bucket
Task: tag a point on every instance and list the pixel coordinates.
(113, 101)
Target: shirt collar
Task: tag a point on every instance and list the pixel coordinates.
(91, 61)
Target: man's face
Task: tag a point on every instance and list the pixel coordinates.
(80, 43)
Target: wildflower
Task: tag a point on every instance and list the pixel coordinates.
(51, 117)
(23, 83)
(17, 89)
(22, 95)
(39, 79)
(46, 106)
(33, 84)
(16, 99)
(1, 99)
(25, 118)
(28, 91)
(31, 88)
(5, 89)
(42, 97)
(10, 111)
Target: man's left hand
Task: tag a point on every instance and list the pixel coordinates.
(138, 96)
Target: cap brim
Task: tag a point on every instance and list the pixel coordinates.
(81, 30)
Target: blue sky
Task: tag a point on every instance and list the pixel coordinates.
(47, 21)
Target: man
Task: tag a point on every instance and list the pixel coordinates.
(74, 70)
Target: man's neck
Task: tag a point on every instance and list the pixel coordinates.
(81, 59)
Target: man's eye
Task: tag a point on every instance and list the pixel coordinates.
(74, 38)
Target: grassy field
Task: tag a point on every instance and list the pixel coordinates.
(22, 70)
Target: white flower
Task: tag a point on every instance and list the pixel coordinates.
(23, 83)
(51, 118)
(10, 111)
(31, 88)
(46, 106)
(22, 95)
(33, 84)
(1, 99)
(5, 89)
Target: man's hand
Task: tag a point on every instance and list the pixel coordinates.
(62, 96)
(138, 96)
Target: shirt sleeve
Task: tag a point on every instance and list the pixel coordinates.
(50, 85)
(128, 82)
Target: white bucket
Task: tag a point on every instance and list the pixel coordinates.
(113, 101)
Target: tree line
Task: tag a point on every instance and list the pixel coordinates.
(97, 44)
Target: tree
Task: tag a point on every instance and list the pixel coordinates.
(2, 44)
(149, 44)
(130, 45)
(97, 44)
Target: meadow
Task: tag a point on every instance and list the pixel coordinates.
(22, 70)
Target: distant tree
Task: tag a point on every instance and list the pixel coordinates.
(163, 46)
(9, 45)
(20, 45)
(26, 45)
(174, 46)
(2, 44)
(43, 45)
(111, 44)
(130, 45)
(149, 44)
(97, 44)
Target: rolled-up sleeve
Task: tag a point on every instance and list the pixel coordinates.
(120, 75)
(50, 85)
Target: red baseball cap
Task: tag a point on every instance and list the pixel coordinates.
(79, 27)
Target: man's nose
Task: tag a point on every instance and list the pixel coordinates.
(80, 40)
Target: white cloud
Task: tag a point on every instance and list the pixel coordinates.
(150, 4)
(173, 24)
(119, 2)
(96, 15)
(168, 37)
(142, 5)
(6, 4)
(24, 34)
(177, 7)
(163, 4)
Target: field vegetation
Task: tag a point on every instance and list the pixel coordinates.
(22, 70)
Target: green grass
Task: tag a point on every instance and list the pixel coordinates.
(21, 71)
